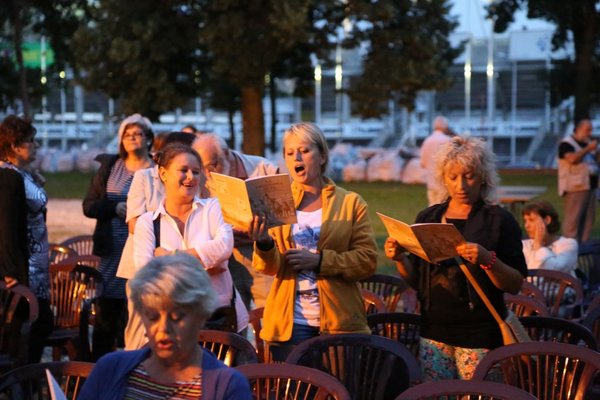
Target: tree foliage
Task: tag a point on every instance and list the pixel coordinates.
(408, 51)
(55, 19)
(578, 21)
(247, 40)
(140, 52)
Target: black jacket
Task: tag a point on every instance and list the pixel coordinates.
(96, 205)
(452, 312)
(14, 250)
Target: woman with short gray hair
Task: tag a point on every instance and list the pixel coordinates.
(175, 297)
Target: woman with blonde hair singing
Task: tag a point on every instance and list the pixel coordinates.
(318, 260)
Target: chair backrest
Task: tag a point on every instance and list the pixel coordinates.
(401, 327)
(548, 370)
(373, 303)
(369, 366)
(595, 302)
(255, 321)
(58, 252)
(229, 347)
(82, 244)
(554, 285)
(89, 260)
(588, 265)
(14, 328)
(288, 381)
(30, 382)
(387, 287)
(71, 289)
(524, 306)
(530, 290)
(466, 390)
(552, 329)
(592, 322)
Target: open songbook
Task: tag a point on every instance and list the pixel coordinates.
(433, 242)
(269, 195)
(56, 392)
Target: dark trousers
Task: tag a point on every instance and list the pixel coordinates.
(111, 318)
(40, 329)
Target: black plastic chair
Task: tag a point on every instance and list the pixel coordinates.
(548, 370)
(231, 348)
(369, 366)
(401, 327)
(287, 381)
(30, 382)
(464, 390)
(15, 328)
(552, 329)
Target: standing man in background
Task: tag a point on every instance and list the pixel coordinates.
(578, 180)
(218, 157)
(440, 135)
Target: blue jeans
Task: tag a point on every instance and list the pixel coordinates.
(280, 350)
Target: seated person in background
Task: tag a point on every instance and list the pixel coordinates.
(175, 298)
(545, 248)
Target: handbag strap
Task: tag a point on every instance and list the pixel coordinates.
(156, 226)
(478, 289)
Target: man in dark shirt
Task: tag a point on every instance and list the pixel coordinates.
(578, 180)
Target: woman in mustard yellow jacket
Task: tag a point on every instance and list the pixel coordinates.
(318, 260)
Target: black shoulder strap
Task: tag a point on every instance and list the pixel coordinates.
(156, 224)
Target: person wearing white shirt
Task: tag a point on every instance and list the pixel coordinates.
(429, 148)
(145, 194)
(189, 224)
(545, 248)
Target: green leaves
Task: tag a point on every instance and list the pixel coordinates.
(408, 51)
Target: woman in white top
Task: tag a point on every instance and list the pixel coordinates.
(189, 224)
(145, 194)
(545, 248)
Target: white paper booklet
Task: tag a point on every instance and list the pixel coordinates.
(56, 392)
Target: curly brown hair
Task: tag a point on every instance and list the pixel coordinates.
(14, 131)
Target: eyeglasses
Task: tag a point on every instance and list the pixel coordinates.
(28, 140)
(133, 136)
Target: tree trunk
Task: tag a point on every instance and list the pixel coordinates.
(253, 125)
(230, 115)
(584, 35)
(273, 99)
(16, 18)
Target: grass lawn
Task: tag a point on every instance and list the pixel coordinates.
(398, 200)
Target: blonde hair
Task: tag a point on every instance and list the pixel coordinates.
(313, 134)
(472, 154)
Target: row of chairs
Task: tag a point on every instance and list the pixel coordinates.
(354, 366)
(544, 292)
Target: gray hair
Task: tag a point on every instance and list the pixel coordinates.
(440, 123)
(213, 139)
(472, 154)
(177, 279)
(313, 134)
(144, 124)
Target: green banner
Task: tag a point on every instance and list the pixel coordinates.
(32, 53)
